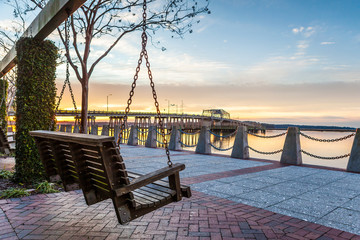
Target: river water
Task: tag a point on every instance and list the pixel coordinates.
(314, 147)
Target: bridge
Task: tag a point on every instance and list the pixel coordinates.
(145, 119)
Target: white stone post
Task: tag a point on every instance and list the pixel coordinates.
(354, 160)
(133, 139)
(174, 143)
(151, 138)
(292, 150)
(203, 145)
(240, 149)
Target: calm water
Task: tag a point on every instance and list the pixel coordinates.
(314, 147)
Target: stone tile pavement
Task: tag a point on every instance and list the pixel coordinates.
(232, 199)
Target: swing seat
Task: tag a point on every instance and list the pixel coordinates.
(5, 143)
(94, 164)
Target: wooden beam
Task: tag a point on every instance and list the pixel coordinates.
(50, 17)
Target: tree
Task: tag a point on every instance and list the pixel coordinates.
(116, 19)
(9, 34)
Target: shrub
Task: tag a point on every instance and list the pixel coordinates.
(6, 174)
(46, 187)
(14, 193)
(35, 103)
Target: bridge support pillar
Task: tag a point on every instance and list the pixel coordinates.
(94, 129)
(292, 151)
(105, 130)
(116, 132)
(354, 160)
(240, 149)
(76, 129)
(203, 145)
(175, 139)
(133, 139)
(151, 138)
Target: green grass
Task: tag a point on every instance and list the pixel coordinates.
(14, 193)
(6, 174)
(46, 187)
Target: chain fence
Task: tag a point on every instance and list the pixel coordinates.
(186, 145)
(266, 153)
(217, 135)
(327, 140)
(260, 136)
(142, 131)
(325, 158)
(221, 149)
(187, 133)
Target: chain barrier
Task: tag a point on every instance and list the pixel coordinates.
(67, 78)
(325, 158)
(327, 140)
(144, 54)
(273, 136)
(266, 153)
(141, 140)
(183, 144)
(221, 149)
(162, 143)
(193, 133)
(165, 134)
(216, 135)
(142, 132)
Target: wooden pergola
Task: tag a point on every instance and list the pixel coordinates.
(50, 17)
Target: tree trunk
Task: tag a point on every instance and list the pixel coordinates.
(84, 105)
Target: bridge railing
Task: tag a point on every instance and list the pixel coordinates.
(236, 141)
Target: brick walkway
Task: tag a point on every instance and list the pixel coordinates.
(66, 216)
(203, 216)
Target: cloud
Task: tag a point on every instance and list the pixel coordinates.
(304, 31)
(327, 43)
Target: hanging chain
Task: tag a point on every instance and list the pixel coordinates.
(144, 54)
(327, 140)
(67, 78)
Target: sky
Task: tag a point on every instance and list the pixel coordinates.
(272, 61)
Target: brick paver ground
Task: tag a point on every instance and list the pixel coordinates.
(203, 216)
(66, 216)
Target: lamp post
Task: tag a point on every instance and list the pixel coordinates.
(107, 102)
(168, 105)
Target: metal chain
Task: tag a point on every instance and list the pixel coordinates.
(186, 133)
(327, 140)
(266, 153)
(220, 149)
(187, 145)
(274, 136)
(325, 158)
(67, 78)
(217, 135)
(145, 55)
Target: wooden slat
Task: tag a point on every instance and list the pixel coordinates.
(149, 178)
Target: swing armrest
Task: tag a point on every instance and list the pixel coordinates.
(149, 178)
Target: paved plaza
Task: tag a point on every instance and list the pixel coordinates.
(232, 199)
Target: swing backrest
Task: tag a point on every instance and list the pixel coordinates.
(80, 160)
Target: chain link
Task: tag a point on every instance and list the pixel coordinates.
(266, 153)
(327, 140)
(67, 77)
(219, 136)
(325, 158)
(274, 136)
(127, 110)
(221, 149)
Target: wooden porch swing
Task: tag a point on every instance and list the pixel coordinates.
(94, 164)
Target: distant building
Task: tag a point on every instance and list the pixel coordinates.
(218, 113)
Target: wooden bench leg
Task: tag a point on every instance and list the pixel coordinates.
(123, 212)
(174, 183)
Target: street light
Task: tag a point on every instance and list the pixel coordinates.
(107, 102)
(168, 105)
